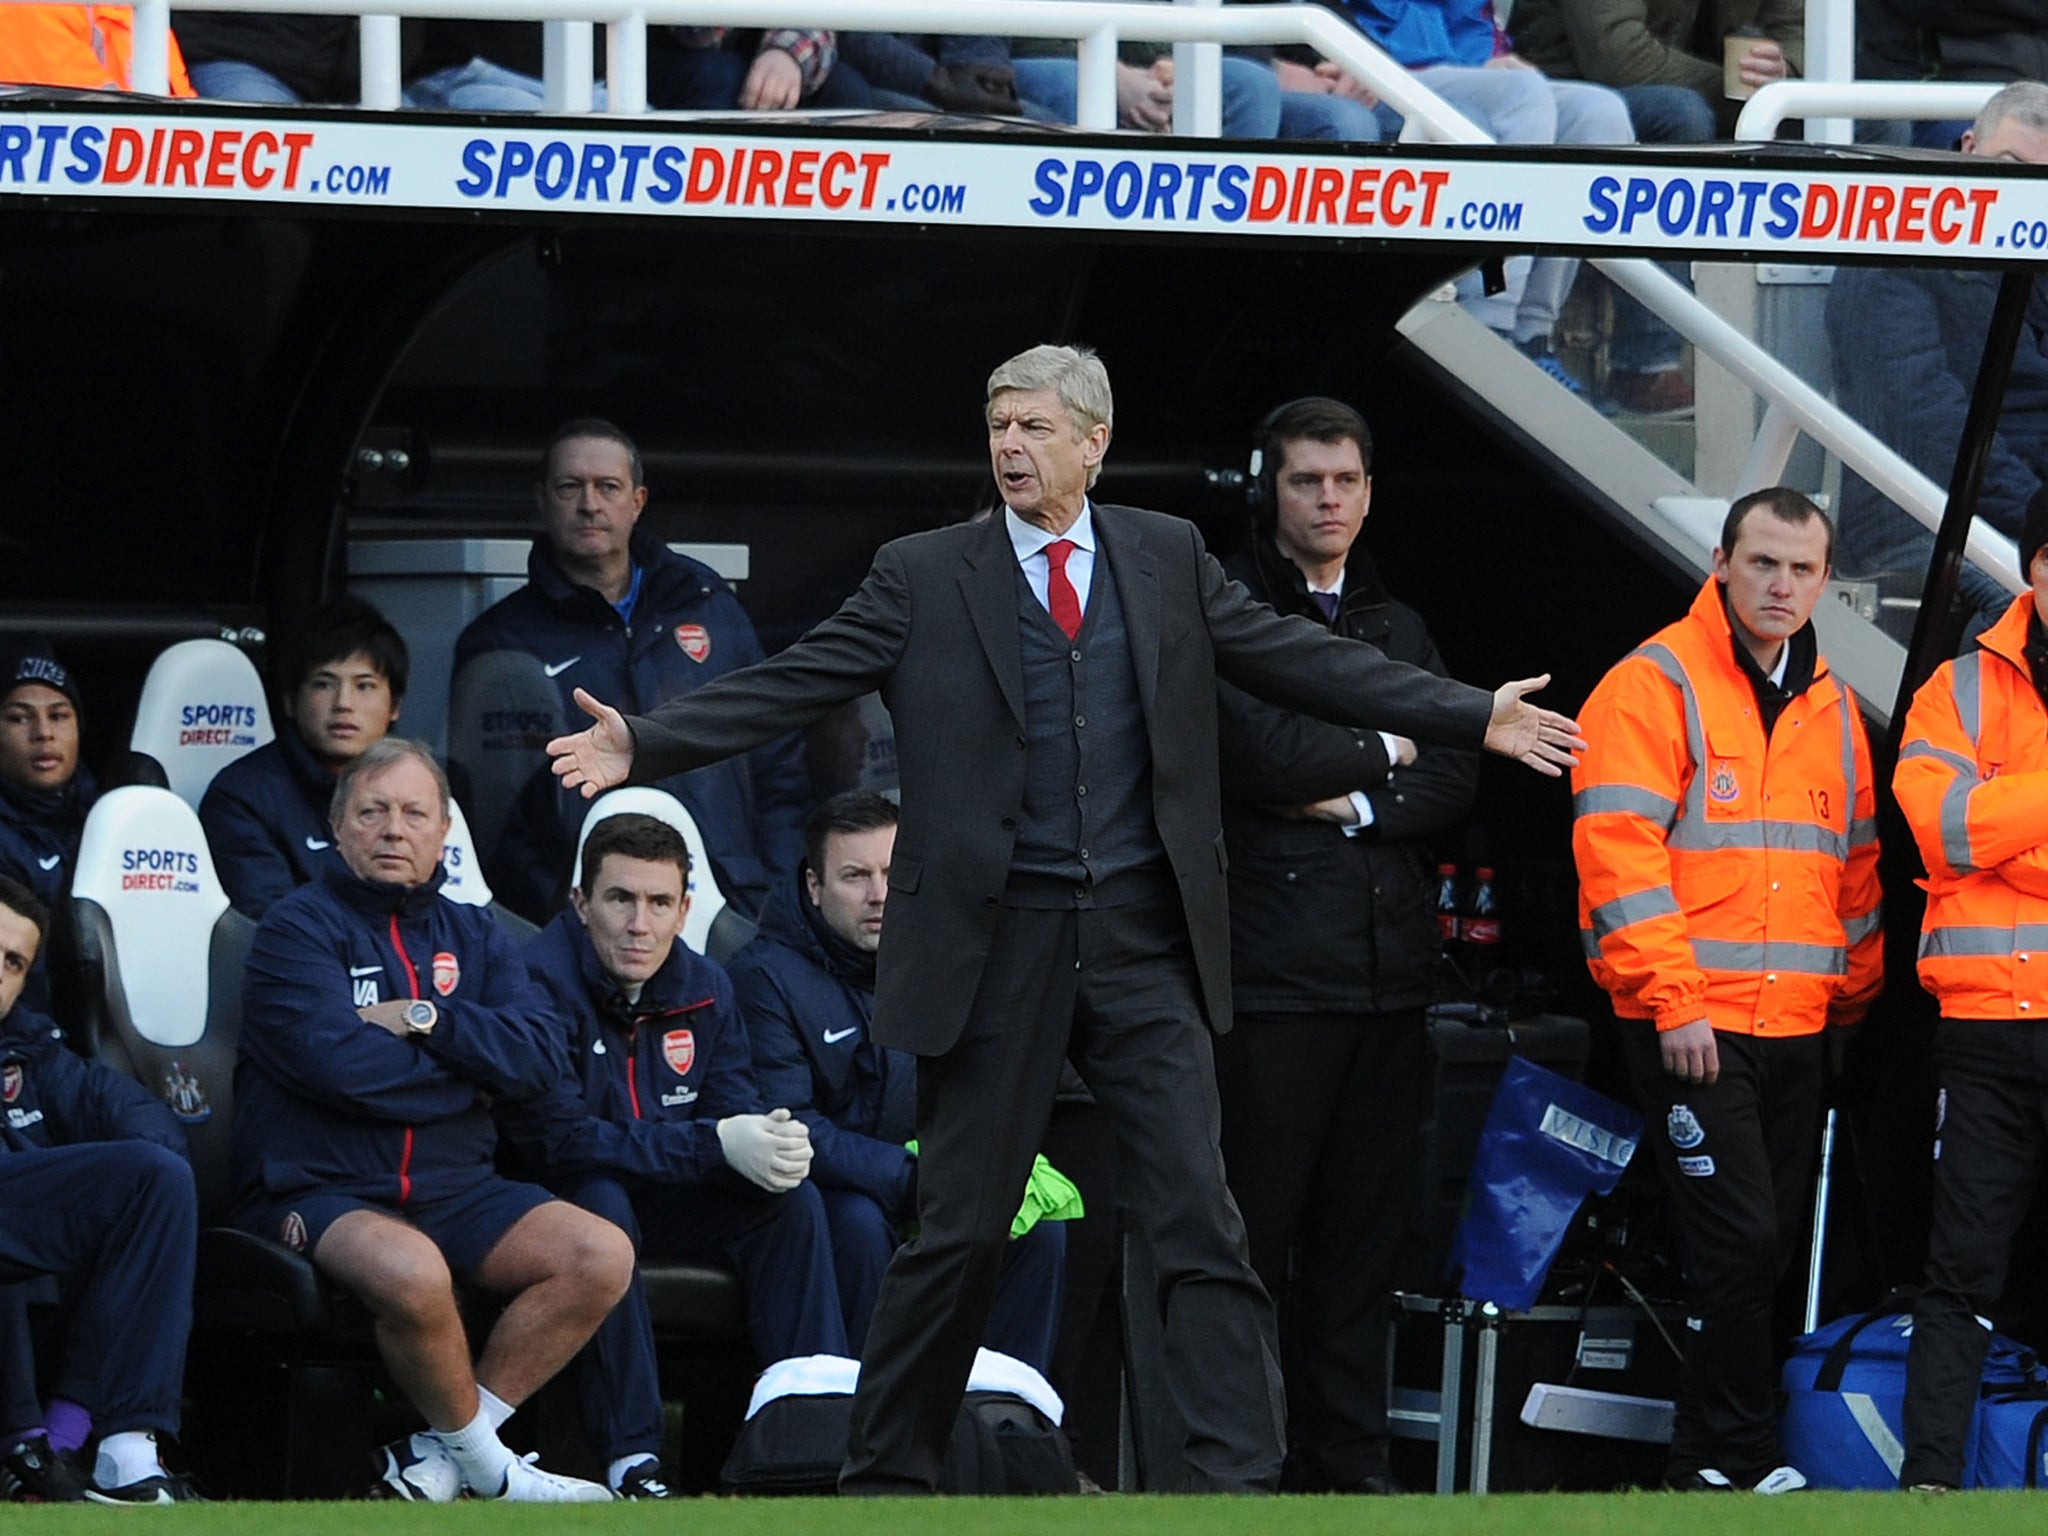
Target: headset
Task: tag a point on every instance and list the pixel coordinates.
(1261, 493)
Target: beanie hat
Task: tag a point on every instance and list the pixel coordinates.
(37, 667)
(2033, 532)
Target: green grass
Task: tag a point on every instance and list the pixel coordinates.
(1633, 1514)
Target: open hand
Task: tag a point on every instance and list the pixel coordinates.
(1542, 739)
(602, 756)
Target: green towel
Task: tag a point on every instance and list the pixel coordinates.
(1049, 1195)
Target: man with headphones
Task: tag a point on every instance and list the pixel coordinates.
(1333, 953)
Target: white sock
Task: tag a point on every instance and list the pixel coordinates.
(615, 1475)
(126, 1457)
(479, 1453)
(493, 1407)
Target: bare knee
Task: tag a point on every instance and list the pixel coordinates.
(597, 1257)
(396, 1271)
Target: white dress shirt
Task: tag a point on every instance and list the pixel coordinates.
(1029, 541)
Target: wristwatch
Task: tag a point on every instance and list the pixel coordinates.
(420, 1017)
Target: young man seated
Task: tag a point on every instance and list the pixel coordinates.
(99, 1198)
(265, 814)
(379, 1024)
(662, 1131)
(44, 790)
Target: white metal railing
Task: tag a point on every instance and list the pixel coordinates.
(1828, 104)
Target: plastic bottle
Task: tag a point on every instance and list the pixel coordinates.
(1479, 926)
(1447, 920)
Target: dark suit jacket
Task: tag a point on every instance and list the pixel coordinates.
(934, 628)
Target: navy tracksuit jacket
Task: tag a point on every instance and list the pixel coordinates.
(93, 1183)
(39, 831)
(325, 1103)
(687, 629)
(265, 816)
(634, 1137)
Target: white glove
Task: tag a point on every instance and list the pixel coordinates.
(773, 1150)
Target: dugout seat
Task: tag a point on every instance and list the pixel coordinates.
(712, 928)
(201, 707)
(161, 957)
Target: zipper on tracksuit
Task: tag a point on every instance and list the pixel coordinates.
(412, 978)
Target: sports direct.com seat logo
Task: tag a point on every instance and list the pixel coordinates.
(159, 869)
(217, 725)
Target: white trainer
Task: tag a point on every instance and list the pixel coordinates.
(419, 1468)
(527, 1483)
(1781, 1480)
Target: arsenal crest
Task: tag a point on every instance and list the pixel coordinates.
(292, 1232)
(447, 973)
(694, 640)
(10, 1082)
(1721, 785)
(679, 1049)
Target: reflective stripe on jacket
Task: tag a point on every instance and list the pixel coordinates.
(1973, 782)
(1723, 876)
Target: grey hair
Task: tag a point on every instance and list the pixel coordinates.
(386, 752)
(2026, 101)
(1075, 374)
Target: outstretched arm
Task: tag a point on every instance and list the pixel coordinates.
(599, 758)
(1540, 738)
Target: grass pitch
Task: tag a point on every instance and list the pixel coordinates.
(1627, 1514)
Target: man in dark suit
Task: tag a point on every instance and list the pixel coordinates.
(1057, 888)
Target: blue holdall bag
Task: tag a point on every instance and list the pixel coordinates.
(1845, 1393)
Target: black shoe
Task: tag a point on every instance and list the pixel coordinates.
(164, 1488)
(1700, 1480)
(643, 1480)
(32, 1473)
(1380, 1483)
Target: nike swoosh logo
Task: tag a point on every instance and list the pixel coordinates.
(561, 666)
(364, 970)
(834, 1036)
(52, 861)
(314, 845)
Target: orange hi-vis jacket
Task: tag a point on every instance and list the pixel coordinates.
(1973, 782)
(1722, 876)
(84, 46)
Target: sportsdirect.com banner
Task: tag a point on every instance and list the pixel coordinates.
(680, 170)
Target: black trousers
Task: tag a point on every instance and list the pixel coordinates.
(1322, 1128)
(1735, 1158)
(1992, 1120)
(1115, 989)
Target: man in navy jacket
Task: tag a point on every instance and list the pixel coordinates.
(807, 987)
(663, 1133)
(97, 1192)
(45, 791)
(379, 1024)
(611, 609)
(265, 814)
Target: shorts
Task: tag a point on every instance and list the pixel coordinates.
(465, 1227)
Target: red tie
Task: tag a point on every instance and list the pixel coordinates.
(1059, 592)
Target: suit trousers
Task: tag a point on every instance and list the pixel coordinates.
(1991, 1128)
(1735, 1157)
(1322, 1132)
(1114, 989)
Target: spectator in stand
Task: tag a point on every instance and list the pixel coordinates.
(1997, 41)
(952, 73)
(1907, 342)
(1334, 955)
(85, 47)
(363, 1134)
(663, 1132)
(1665, 58)
(266, 814)
(806, 985)
(610, 608)
(495, 66)
(1456, 48)
(45, 792)
(284, 59)
(98, 1194)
